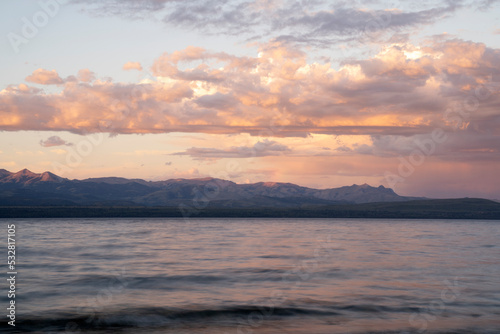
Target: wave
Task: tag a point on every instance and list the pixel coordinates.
(145, 319)
(163, 281)
(160, 317)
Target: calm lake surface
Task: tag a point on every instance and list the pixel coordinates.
(256, 276)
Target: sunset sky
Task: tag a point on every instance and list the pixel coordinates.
(322, 94)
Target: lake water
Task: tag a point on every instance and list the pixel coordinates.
(256, 276)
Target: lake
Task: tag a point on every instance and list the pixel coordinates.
(255, 276)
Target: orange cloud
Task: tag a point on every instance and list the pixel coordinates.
(45, 77)
(131, 65)
(403, 91)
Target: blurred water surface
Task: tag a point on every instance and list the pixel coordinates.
(257, 276)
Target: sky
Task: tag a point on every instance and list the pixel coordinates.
(318, 93)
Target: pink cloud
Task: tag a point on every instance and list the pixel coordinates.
(259, 149)
(403, 91)
(45, 77)
(86, 75)
(54, 141)
(131, 65)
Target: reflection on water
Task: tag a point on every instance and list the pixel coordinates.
(258, 276)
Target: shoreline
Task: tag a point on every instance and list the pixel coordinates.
(421, 209)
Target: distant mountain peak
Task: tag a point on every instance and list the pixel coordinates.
(367, 186)
(25, 176)
(205, 179)
(26, 172)
(48, 176)
(4, 173)
(270, 184)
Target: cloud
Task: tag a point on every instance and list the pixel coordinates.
(54, 141)
(217, 101)
(344, 21)
(267, 173)
(126, 8)
(86, 75)
(467, 145)
(141, 153)
(22, 89)
(403, 91)
(486, 4)
(59, 151)
(6, 164)
(318, 23)
(30, 153)
(259, 149)
(132, 66)
(189, 174)
(45, 77)
(229, 17)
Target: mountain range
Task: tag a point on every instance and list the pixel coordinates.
(31, 195)
(25, 188)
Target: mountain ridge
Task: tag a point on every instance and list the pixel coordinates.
(27, 188)
(25, 194)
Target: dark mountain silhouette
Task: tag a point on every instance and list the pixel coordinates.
(26, 188)
(29, 195)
